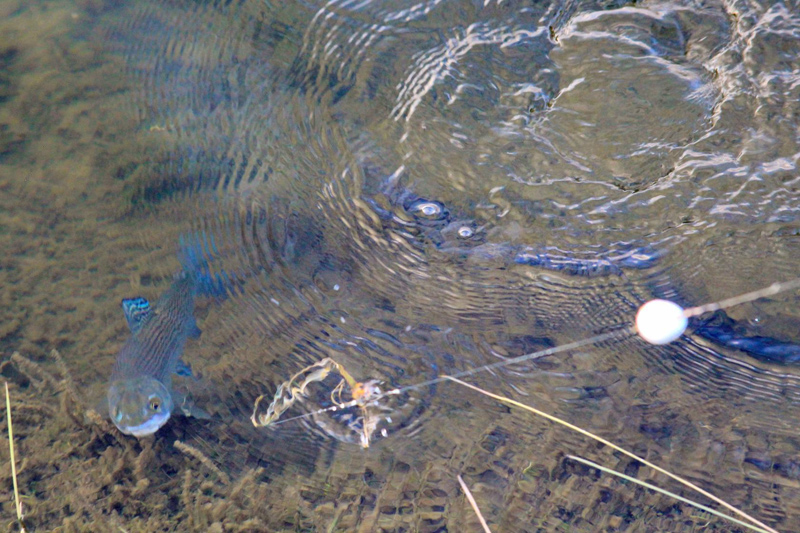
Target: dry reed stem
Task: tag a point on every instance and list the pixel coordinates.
(17, 503)
(205, 461)
(474, 504)
(610, 444)
(662, 491)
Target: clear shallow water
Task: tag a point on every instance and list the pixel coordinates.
(422, 189)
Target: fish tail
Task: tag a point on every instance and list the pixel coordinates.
(197, 252)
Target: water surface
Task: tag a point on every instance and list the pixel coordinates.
(410, 188)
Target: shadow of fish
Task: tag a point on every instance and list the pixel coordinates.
(429, 222)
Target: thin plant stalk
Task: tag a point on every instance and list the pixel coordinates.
(663, 491)
(657, 468)
(474, 504)
(17, 503)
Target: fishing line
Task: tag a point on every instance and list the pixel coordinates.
(619, 334)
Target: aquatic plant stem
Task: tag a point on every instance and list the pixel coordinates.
(17, 503)
(663, 491)
(657, 468)
(474, 504)
(204, 460)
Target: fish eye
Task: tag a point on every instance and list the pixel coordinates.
(155, 404)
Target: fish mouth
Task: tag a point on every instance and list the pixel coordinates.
(145, 429)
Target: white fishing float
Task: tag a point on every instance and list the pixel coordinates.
(661, 321)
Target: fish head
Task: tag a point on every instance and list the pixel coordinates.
(139, 406)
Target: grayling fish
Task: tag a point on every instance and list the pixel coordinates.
(140, 398)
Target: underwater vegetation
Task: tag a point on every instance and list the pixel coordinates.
(398, 192)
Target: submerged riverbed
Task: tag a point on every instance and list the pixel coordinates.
(411, 189)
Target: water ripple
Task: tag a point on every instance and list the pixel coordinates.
(414, 195)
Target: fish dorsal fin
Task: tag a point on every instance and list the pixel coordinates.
(137, 312)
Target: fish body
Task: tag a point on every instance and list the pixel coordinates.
(140, 398)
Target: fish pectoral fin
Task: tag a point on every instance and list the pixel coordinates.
(137, 312)
(188, 408)
(183, 369)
